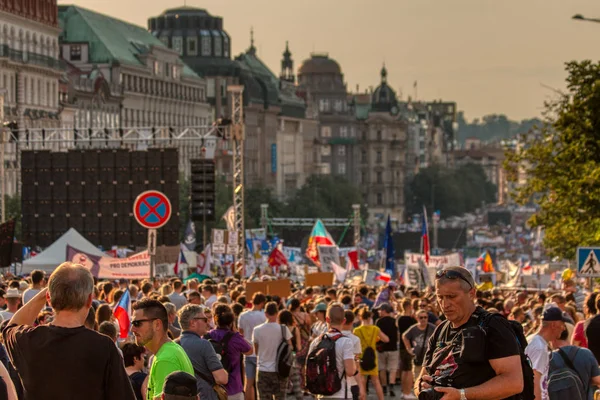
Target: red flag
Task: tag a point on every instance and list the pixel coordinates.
(277, 258)
(425, 236)
(353, 256)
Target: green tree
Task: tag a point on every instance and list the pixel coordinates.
(253, 198)
(13, 211)
(324, 196)
(557, 166)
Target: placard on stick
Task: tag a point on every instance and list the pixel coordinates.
(254, 287)
(319, 279)
(280, 287)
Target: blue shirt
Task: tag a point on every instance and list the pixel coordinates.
(584, 362)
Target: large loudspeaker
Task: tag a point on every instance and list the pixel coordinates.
(63, 190)
(203, 190)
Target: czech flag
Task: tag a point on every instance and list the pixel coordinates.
(122, 313)
(318, 236)
(527, 268)
(382, 276)
(425, 236)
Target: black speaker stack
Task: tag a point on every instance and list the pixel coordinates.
(93, 191)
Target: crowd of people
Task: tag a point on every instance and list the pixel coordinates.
(214, 340)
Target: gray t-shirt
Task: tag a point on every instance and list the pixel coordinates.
(418, 340)
(584, 362)
(178, 300)
(204, 359)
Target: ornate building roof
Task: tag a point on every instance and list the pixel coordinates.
(384, 97)
(319, 64)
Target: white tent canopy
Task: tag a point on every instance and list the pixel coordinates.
(54, 255)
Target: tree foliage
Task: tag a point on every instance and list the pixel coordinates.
(452, 191)
(493, 126)
(557, 166)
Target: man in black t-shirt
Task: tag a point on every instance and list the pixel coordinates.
(404, 322)
(387, 353)
(487, 366)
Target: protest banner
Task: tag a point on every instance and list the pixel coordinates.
(134, 267)
(327, 254)
(319, 279)
(280, 287)
(254, 287)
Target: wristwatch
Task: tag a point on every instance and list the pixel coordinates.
(463, 395)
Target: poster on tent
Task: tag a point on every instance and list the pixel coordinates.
(134, 267)
(327, 254)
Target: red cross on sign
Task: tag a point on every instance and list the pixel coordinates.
(152, 209)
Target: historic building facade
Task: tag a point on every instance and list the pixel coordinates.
(124, 64)
(29, 72)
(277, 128)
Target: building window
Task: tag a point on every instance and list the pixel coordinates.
(178, 44)
(218, 45)
(323, 105)
(326, 131)
(379, 136)
(352, 131)
(165, 40)
(206, 50)
(75, 50)
(363, 156)
(341, 151)
(326, 150)
(338, 105)
(157, 69)
(343, 131)
(379, 199)
(192, 46)
(379, 177)
(341, 168)
(226, 46)
(379, 158)
(174, 72)
(363, 177)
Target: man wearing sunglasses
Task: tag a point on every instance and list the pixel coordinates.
(150, 325)
(472, 355)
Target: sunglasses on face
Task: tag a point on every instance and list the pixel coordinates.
(138, 322)
(451, 275)
(423, 317)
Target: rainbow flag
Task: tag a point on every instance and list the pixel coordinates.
(318, 236)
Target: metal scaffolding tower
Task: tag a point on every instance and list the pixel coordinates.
(356, 223)
(237, 136)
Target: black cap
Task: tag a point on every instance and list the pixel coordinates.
(181, 384)
(385, 307)
(555, 314)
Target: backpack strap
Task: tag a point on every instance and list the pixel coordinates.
(567, 359)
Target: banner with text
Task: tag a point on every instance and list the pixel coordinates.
(438, 262)
(327, 254)
(134, 267)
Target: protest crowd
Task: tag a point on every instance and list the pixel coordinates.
(72, 336)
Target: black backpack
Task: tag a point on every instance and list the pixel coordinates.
(285, 357)
(528, 392)
(369, 358)
(321, 372)
(221, 348)
(564, 382)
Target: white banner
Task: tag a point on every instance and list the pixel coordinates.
(438, 262)
(327, 254)
(134, 267)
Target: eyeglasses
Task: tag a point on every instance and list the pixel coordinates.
(201, 318)
(450, 274)
(424, 317)
(138, 322)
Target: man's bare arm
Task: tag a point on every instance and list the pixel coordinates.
(27, 314)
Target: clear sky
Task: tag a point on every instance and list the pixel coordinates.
(490, 56)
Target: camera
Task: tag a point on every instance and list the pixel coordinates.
(430, 394)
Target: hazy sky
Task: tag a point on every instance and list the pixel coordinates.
(490, 56)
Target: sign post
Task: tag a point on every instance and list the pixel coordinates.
(152, 210)
(588, 265)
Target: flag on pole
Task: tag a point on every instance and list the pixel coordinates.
(425, 236)
(277, 258)
(353, 258)
(180, 260)
(229, 218)
(318, 236)
(340, 273)
(189, 237)
(488, 265)
(122, 312)
(390, 253)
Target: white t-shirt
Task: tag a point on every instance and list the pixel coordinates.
(539, 354)
(29, 294)
(344, 350)
(210, 301)
(249, 320)
(357, 352)
(268, 337)
(319, 328)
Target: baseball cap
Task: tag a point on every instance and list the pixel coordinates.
(392, 284)
(320, 307)
(385, 307)
(555, 314)
(180, 383)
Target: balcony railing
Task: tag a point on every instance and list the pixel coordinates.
(27, 57)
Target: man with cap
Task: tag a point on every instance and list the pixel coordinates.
(180, 385)
(463, 361)
(13, 300)
(538, 347)
(320, 326)
(387, 353)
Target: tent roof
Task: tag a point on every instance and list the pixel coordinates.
(55, 254)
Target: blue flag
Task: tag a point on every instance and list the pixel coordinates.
(390, 253)
(189, 237)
